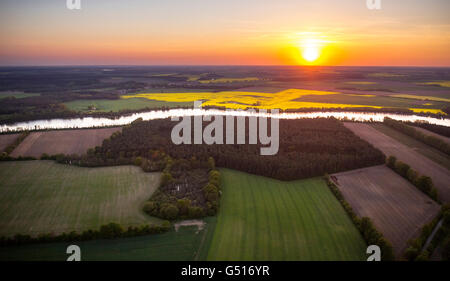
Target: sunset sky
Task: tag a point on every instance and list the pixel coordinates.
(237, 32)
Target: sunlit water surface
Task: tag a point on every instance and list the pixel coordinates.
(92, 122)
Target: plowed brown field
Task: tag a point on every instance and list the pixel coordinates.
(417, 161)
(63, 141)
(397, 208)
(6, 140)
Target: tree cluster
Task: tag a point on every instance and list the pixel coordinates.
(423, 183)
(412, 132)
(438, 129)
(188, 189)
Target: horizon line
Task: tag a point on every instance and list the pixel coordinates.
(220, 65)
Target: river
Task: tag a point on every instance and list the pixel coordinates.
(93, 122)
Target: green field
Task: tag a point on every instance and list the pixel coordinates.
(120, 104)
(44, 197)
(16, 94)
(266, 219)
(184, 245)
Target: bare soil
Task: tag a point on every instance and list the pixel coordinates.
(423, 165)
(63, 141)
(6, 140)
(397, 208)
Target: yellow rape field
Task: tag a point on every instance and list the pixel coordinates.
(437, 83)
(286, 99)
(242, 100)
(428, 110)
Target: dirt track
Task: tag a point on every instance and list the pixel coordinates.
(397, 208)
(64, 141)
(420, 163)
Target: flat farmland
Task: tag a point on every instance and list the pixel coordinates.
(121, 104)
(417, 161)
(45, 197)
(266, 219)
(62, 141)
(426, 150)
(6, 140)
(397, 208)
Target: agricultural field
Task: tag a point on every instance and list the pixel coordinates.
(229, 80)
(437, 83)
(62, 141)
(293, 99)
(428, 151)
(422, 98)
(265, 219)
(376, 100)
(6, 140)
(186, 244)
(100, 90)
(121, 104)
(16, 94)
(409, 155)
(39, 197)
(397, 208)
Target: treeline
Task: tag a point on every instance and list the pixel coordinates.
(108, 231)
(395, 110)
(423, 183)
(60, 111)
(308, 147)
(365, 225)
(189, 189)
(438, 129)
(410, 131)
(415, 251)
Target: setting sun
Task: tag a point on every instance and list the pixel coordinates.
(311, 49)
(310, 54)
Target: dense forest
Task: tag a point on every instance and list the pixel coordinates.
(308, 147)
